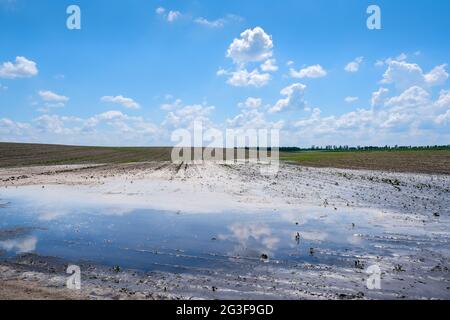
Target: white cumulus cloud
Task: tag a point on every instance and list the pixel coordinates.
(173, 15)
(245, 78)
(251, 103)
(443, 118)
(444, 99)
(353, 66)
(184, 116)
(170, 16)
(21, 68)
(269, 65)
(437, 76)
(160, 10)
(218, 23)
(254, 45)
(52, 97)
(379, 96)
(405, 75)
(411, 97)
(126, 102)
(315, 71)
(294, 98)
(51, 100)
(351, 99)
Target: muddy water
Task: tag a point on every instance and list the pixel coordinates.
(148, 240)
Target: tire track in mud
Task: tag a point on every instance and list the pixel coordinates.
(158, 168)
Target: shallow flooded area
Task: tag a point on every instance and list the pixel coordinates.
(321, 247)
(150, 240)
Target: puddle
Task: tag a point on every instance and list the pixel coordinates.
(36, 220)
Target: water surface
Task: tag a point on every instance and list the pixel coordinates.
(148, 240)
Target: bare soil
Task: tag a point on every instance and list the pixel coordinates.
(416, 161)
(420, 161)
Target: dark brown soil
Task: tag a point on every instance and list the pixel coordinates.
(420, 161)
(417, 161)
(24, 290)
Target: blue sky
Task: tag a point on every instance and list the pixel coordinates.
(137, 70)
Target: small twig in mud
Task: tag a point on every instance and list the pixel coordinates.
(179, 167)
(399, 268)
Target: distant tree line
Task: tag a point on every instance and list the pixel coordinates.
(364, 148)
